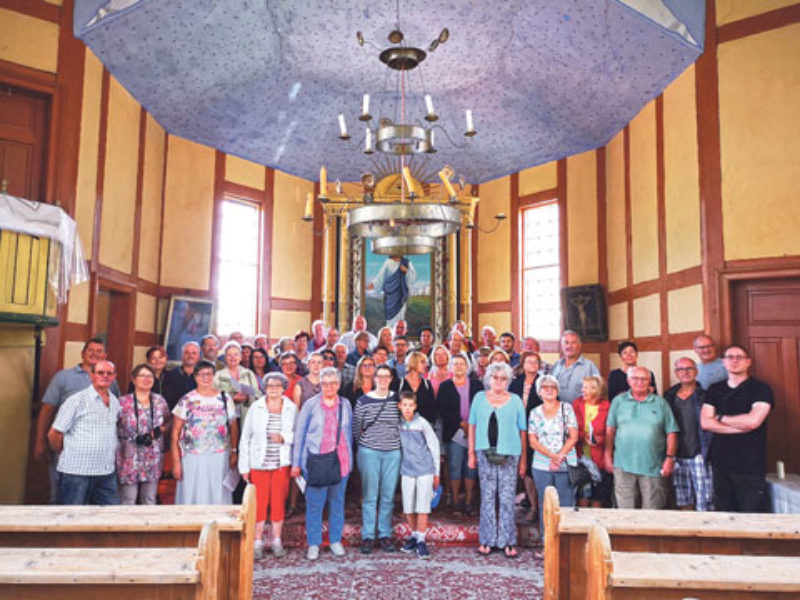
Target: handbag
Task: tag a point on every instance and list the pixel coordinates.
(579, 474)
(323, 468)
(492, 432)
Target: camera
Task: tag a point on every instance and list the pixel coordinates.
(144, 439)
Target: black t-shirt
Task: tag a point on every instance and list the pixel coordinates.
(740, 452)
(685, 412)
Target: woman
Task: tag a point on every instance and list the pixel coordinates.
(247, 355)
(552, 434)
(416, 367)
(481, 362)
(265, 459)
(324, 426)
(143, 420)
(618, 378)
(455, 399)
(157, 360)
(363, 382)
(309, 385)
(497, 448)
(591, 412)
(525, 387)
(205, 436)
(231, 379)
(259, 365)
(440, 359)
(386, 339)
(377, 435)
(289, 367)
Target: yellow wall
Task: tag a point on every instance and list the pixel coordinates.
(735, 10)
(86, 191)
(287, 322)
(644, 212)
(292, 241)
(188, 214)
(759, 83)
(494, 259)
(681, 186)
(501, 321)
(685, 309)
(16, 368)
(618, 321)
(145, 312)
(537, 179)
(244, 172)
(152, 191)
(646, 316)
(28, 41)
(119, 179)
(615, 213)
(582, 218)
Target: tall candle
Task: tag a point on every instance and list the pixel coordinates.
(365, 105)
(368, 140)
(451, 192)
(473, 203)
(323, 182)
(409, 181)
(429, 104)
(342, 126)
(470, 125)
(780, 470)
(309, 206)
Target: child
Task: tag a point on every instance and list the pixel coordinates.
(419, 469)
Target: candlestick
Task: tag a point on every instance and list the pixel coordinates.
(365, 105)
(323, 182)
(307, 214)
(429, 104)
(409, 181)
(451, 192)
(473, 204)
(368, 141)
(342, 128)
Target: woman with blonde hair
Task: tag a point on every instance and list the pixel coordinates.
(386, 339)
(363, 381)
(591, 412)
(415, 381)
(440, 367)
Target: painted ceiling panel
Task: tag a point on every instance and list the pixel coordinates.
(265, 80)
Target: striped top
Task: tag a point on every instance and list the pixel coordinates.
(375, 422)
(272, 457)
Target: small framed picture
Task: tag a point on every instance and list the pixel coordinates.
(188, 320)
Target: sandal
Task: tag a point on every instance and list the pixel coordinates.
(510, 552)
(484, 550)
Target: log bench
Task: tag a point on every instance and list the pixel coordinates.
(650, 576)
(659, 531)
(120, 573)
(163, 526)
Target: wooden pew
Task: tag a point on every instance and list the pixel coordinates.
(650, 576)
(119, 573)
(170, 526)
(662, 531)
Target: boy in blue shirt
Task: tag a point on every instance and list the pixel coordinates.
(419, 471)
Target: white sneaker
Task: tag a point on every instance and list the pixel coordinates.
(277, 549)
(258, 550)
(337, 549)
(313, 553)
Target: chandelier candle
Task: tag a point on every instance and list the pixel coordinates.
(307, 214)
(429, 104)
(323, 182)
(470, 124)
(343, 127)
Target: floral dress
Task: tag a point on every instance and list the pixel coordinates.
(550, 432)
(135, 463)
(206, 423)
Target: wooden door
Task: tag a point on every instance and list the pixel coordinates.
(766, 319)
(23, 128)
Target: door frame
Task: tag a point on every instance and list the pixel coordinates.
(748, 270)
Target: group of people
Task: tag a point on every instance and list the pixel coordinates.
(478, 419)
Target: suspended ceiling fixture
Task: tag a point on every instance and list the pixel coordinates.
(266, 80)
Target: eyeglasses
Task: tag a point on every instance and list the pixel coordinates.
(705, 346)
(104, 373)
(275, 385)
(735, 357)
(549, 388)
(684, 369)
(384, 376)
(499, 377)
(329, 383)
(368, 366)
(640, 379)
(205, 374)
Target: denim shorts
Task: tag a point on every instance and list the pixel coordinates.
(457, 463)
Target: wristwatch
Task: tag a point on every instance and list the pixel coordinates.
(235, 450)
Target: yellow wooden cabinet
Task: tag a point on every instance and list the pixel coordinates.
(24, 292)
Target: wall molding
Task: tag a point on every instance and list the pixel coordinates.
(38, 9)
(291, 304)
(774, 19)
(490, 307)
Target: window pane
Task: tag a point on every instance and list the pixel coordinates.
(238, 273)
(541, 303)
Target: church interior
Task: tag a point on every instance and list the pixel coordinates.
(677, 201)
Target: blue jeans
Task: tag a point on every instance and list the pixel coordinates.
(559, 480)
(457, 463)
(87, 489)
(316, 497)
(379, 474)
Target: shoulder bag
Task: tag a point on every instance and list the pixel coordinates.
(579, 475)
(323, 468)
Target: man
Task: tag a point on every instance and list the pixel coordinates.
(710, 370)
(346, 371)
(64, 384)
(572, 367)
(359, 325)
(426, 341)
(692, 475)
(237, 336)
(209, 347)
(400, 329)
(457, 346)
(317, 341)
(461, 327)
(332, 338)
(328, 358)
(398, 361)
(180, 381)
(85, 434)
(641, 441)
(394, 278)
(507, 341)
(735, 411)
(261, 341)
(361, 345)
(489, 336)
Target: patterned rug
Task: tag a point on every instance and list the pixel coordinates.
(456, 572)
